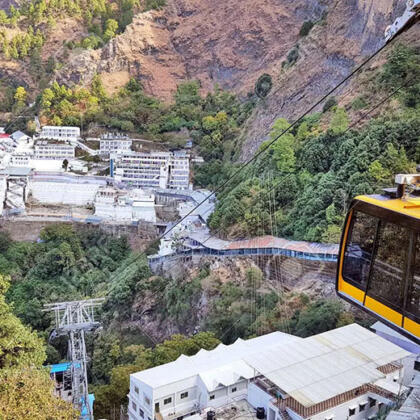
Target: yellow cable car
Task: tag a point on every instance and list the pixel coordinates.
(379, 260)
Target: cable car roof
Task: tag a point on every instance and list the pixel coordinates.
(409, 207)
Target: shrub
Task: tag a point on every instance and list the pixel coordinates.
(306, 28)
(293, 55)
(359, 103)
(331, 102)
(263, 85)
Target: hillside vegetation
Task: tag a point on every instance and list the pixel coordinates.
(302, 186)
(70, 265)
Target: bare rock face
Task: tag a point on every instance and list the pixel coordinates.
(223, 42)
(352, 31)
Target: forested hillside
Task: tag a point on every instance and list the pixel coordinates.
(141, 310)
(303, 185)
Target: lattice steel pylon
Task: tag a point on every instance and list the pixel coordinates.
(74, 319)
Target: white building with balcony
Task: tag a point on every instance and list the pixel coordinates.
(151, 170)
(347, 373)
(60, 133)
(47, 150)
(114, 143)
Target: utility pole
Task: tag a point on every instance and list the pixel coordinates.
(74, 319)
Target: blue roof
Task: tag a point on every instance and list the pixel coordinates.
(84, 412)
(60, 367)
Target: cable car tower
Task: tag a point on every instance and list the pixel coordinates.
(73, 319)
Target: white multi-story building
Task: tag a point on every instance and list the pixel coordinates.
(21, 159)
(114, 143)
(122, 205)
(53, 150)
(60, 133)
(347, 373)
(152, 170)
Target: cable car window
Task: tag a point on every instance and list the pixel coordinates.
(358, 253)
(388, 269)
(413, 298)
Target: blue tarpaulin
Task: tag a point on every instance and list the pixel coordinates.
(84, 413)
(60, 367)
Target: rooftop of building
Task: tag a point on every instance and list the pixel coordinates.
(308, 370)
(320, 367)
(222, 365)
(46, 127)
(16, 171)
(17, 135)
(265, 242)
(52, 143)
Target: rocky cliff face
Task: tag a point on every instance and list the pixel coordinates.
(232, 43)
(225, 42)
(352, 31)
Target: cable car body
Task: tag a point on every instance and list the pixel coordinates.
(409, 17)
(379, 260)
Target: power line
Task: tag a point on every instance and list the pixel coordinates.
(269, 144)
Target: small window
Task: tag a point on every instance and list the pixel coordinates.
(148, 418)
(184, 395)
(389, 263)
(167, 400)
(417, 366)
(362, 407)
(233, 389)
(372, 402)
(134, 406)
(352, 411)
(359, 249)
(136, 389)
(147, 400)
(141, 413)
(212, 397)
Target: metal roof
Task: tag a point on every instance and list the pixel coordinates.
(16, 171)
(328, 364)
(222, 365)
(264, 242)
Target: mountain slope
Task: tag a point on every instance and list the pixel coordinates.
(215, 42)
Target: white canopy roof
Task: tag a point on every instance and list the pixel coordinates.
(325, 365)
(223, 365)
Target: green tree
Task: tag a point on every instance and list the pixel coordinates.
(111, 27)
(339, 121)
(283, 148)
(20, 95)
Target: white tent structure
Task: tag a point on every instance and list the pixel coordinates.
(325, 365)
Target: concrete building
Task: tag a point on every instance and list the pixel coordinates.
(21, 159)
(65, 188)
(47, 150)
(151, 170)
(114, 143)
(60, 133)
(347, 373)
(133, 205)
